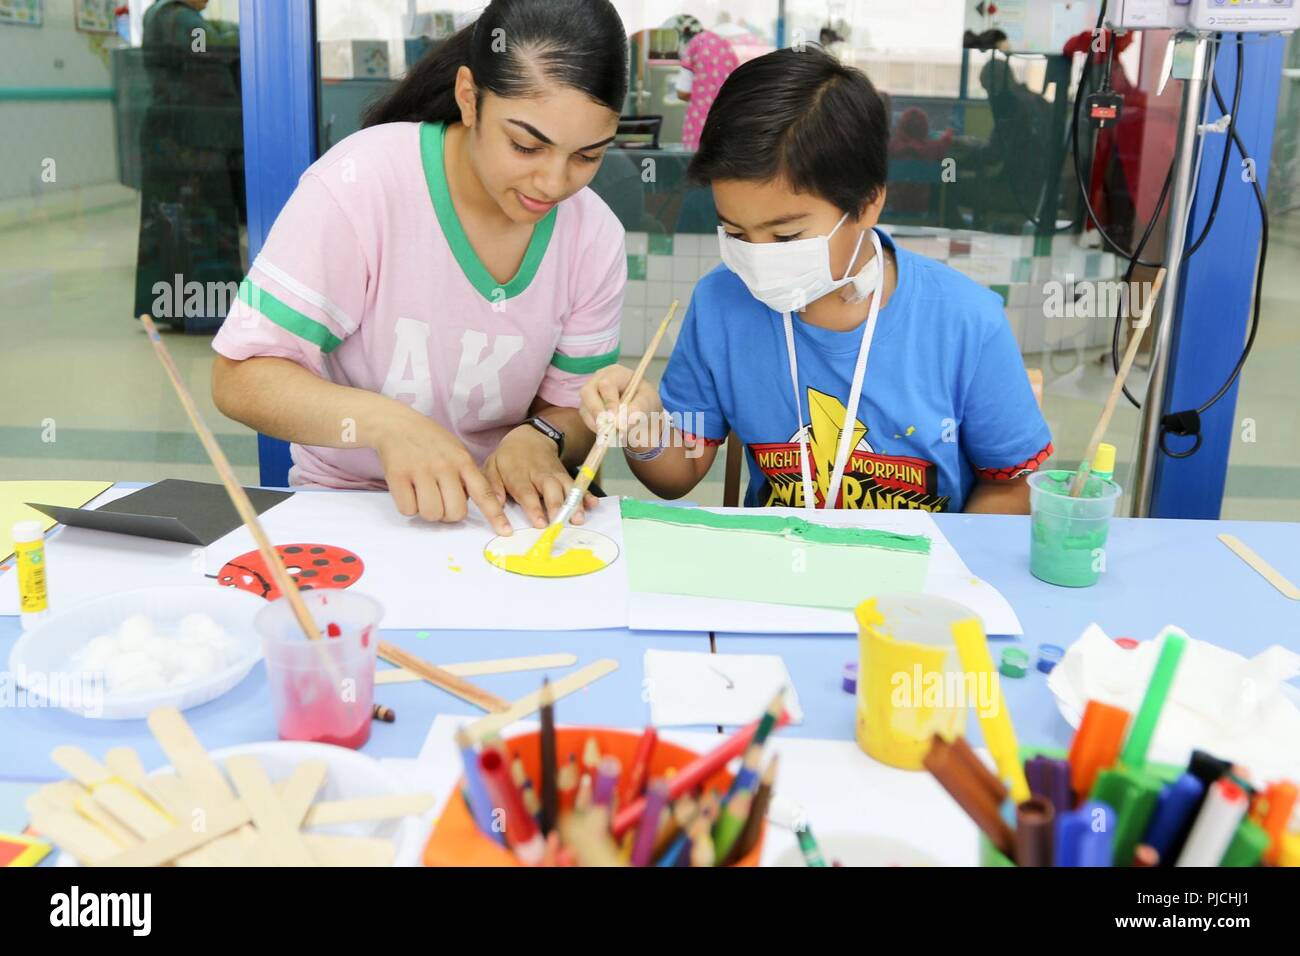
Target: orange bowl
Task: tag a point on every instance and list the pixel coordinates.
(457, 841)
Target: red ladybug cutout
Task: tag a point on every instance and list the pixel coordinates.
(312, 567)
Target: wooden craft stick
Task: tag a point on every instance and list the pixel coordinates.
(1262, 567)
(1117, 387)
(301, 788)
(198, 771)
(493, 723)
(128, 806)
(295, 795)
(76, 801)
(441, 679)
(72, 834)
(504, 665)
(369, 808)
(330, 850)
(200, 779)
(180, 840)
(268, 812)
(167, 790)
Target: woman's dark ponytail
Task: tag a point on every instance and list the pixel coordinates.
(427, 94)
(579, 44)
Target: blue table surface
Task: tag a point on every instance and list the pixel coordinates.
(1159, 572)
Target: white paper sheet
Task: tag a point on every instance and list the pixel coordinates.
(689, 689)
(948, 576)
(836, 789)
(82, 564)
(409, 565)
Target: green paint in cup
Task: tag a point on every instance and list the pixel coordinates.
(1068, 535)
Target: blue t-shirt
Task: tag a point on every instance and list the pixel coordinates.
(946, 399)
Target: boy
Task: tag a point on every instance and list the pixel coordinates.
(776, 341)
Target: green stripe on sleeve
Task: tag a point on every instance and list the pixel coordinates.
(291, 320)
(585, 365)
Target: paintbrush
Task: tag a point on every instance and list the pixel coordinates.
(238, 497)
(587, 472)
(288, 587)
(1098, 433)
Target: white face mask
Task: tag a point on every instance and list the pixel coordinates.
(788, 276)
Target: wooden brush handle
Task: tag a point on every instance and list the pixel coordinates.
(238, 497)
(1117, 387)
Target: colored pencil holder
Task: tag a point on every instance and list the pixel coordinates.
(457, 841)
(906, 659)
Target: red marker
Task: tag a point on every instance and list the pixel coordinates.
(522, 833)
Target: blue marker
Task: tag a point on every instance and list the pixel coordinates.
(1174, 814)
(476, 795)
(1086, 837)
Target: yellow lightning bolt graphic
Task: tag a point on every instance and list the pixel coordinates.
(827, 414)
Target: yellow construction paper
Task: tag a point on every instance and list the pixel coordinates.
(14, 496)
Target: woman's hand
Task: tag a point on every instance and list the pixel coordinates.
(599, 403)
(430, 473)
(527, 467)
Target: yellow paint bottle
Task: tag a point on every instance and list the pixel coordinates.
(29, 545)
(910, 684)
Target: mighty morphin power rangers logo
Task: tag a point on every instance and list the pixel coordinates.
(870, 480)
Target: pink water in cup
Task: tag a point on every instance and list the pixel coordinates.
(322, 691)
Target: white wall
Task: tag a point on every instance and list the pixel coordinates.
(77, 135)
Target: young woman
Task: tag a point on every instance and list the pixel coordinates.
(776, 341)
(442, 283)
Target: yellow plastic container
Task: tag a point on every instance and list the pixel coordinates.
(910, 682)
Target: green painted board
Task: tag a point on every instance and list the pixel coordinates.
(766, 558)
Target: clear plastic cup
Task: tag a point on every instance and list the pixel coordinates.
(1067, 543)
(322, 690)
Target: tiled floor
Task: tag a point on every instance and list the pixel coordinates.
(84, 396)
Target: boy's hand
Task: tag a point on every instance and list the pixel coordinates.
(430, 473)
(600, 399)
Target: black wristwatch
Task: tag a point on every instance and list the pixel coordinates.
(551, 432)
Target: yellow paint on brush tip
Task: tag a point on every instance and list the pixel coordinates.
(542, 549)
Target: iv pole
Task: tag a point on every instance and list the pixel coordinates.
(1179, 211)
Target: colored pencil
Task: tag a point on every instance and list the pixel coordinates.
(550, 791)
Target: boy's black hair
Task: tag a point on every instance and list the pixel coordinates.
(514, 49)
(801, 116)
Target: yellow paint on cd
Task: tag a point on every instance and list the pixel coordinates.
(575, 552)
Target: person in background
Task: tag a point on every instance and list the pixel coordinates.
(707, 60)
(911, 141)
(190, 138)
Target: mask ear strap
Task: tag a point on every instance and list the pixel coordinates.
(853, 258)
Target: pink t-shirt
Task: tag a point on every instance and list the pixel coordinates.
(711, 60)
(367, 279)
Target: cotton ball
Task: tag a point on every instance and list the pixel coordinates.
(134, 632)
(132, 671)
(97, 653)
(199, 627)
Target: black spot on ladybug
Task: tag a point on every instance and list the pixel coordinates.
(349, 559)
(317, 550)
(340, 577)
(308, 574)
(320, 562)
(305, 587)
(293, 549)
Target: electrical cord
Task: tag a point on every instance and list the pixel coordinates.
(1188, 422)
(1128, 280)
(1227, 155)
(1078, 160)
